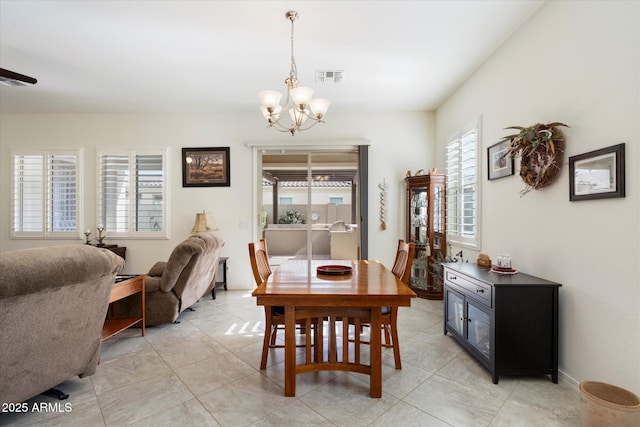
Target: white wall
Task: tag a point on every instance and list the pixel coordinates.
(577, 63)
(399, 141)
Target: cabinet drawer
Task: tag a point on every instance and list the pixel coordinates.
(474, 289)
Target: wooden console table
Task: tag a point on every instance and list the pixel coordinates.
(125, 286)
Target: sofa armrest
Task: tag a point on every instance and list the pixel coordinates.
(157, 269)
(152, 283)
(49, 268)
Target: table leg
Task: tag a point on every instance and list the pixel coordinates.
(224, 274)
(142, 306)
(375, 384)
(289, 351)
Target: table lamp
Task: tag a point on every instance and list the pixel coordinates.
(201, 224)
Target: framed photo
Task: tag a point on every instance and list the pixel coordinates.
(597, 174)
(499, 165)
(206, 167)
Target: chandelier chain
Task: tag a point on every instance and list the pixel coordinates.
(294, 69)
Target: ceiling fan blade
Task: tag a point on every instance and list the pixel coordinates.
(11, 78)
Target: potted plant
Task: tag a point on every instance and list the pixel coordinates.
(540, 148)
(291, 216)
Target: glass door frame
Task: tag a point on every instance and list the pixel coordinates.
(317, 147)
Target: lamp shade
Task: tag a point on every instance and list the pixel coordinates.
(319, 106)
(298, 116)
(301, 95)
(269, 98)
(201, 223)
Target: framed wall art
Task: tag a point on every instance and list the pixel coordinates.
(597, 174)
(206, 167)
(499, 163)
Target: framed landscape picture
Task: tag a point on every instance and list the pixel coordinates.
(206, 167)
(597, 174)
(499, 164)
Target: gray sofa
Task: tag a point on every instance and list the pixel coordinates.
(174, 285)
(53, 303)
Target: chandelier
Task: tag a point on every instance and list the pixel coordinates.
(299, 103)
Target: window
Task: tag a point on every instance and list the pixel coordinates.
(132, 193)
(285, 200)
(44, 194)
(463, 190)
(336, 200)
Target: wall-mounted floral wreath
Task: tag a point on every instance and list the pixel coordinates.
(540, 148)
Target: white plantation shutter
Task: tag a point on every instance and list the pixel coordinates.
(114, 200)
(462, 168)
(28, 194)
(132, 193)
(45, 190)
(63, 178)
(149, 190)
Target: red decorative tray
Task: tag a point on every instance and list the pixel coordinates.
(502, 270)
(334, 270)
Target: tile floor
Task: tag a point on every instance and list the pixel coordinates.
(204, 371)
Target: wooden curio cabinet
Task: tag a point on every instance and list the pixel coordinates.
(426, 228)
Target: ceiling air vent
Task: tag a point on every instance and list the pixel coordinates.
(325, 76)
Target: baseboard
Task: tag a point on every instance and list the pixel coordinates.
(566, 379)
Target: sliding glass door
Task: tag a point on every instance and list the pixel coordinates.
(310, 203)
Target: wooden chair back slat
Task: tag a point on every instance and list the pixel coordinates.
(259, 261)
(404, 260)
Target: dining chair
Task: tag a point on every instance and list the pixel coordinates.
(404, 260)
(274, 316)
(402, 270)
(389, 318)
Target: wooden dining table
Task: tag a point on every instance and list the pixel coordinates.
(353, 298)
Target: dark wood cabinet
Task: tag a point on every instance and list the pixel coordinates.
(426, 228)
(509, 323)
(118, 250)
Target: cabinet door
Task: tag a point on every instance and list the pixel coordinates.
(419, 216)
(455, 311)
(438, 218)
(479, 329)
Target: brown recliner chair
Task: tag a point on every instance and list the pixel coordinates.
(174, 285)
(53, 302)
